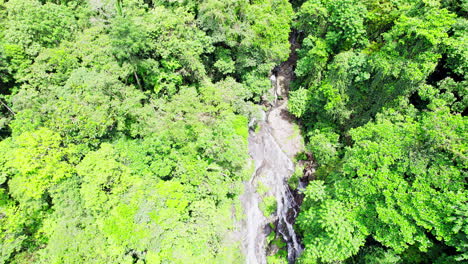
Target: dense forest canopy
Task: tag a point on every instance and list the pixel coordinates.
(124, 125)
(380, 90)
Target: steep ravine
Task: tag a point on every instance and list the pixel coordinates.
(273, 144)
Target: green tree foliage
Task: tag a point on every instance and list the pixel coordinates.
(109, 107)
(252, 37)
(31, 26)
(358, 82)
(401, 180)
(340, 23)
(124, 127)
(384, 112)
(32, 164)
(126, 133)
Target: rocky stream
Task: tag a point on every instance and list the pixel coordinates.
(273, 145)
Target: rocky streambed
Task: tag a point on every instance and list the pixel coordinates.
(270, 205)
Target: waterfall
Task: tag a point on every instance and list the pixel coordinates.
(272, 168)
(272, 147)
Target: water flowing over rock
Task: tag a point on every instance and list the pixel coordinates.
(272, 147)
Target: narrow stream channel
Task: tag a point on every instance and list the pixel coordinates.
(272, 147)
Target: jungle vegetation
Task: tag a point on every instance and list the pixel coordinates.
(380, 92)
(124, 125)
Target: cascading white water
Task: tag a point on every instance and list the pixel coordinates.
(285, 207)
(253, 236)
(272, 168)
(272, 147)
